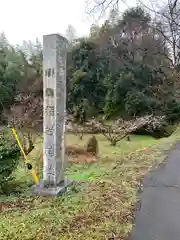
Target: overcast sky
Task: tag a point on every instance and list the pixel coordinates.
(28, 19)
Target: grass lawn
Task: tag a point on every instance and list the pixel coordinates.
(100, 203)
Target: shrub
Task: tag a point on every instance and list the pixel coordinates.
(9, 157)
(156, 128)
(118, 130)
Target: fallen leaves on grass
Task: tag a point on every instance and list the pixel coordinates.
(76, 154)
(107, 203)
(83, 159)
(18, 204)
(99, 209)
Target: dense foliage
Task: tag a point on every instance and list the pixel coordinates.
(9, 156)
(125, 68)
(122, 70)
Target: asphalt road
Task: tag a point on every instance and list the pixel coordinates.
(159, 215)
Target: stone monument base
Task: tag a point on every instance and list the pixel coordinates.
(41, 190)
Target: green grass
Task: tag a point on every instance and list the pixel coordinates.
(107, 154)
(100, 203)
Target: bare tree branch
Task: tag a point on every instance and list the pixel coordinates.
(101, 6)
(167, 23)
(118, 130)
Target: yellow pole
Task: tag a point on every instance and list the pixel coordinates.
(33, 172)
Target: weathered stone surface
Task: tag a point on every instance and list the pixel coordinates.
(42, 189)
(54, 90)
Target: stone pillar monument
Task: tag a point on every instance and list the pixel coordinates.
(54, 90)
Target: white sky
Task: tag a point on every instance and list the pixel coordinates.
(28, 19)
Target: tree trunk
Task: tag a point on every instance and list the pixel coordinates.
(113, 142)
